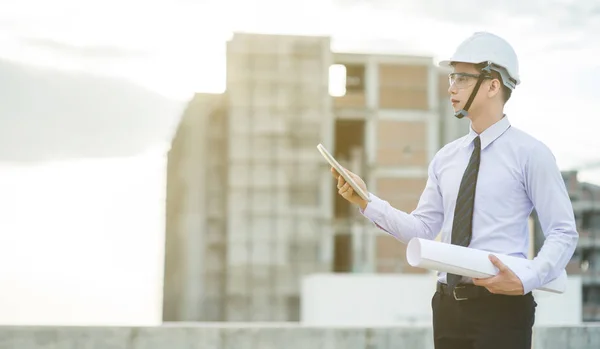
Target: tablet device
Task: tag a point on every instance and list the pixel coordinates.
(342, 172)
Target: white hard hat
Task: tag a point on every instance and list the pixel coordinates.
(484, 47)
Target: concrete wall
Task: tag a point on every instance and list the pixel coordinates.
(362, 300)
(275, 336)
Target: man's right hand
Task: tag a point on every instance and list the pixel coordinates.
(346, 191)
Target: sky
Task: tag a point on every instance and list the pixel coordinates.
(86, 210)
(176, 47)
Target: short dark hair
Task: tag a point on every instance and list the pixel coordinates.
(506, 92)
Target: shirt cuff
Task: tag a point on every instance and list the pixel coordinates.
(528, 278)
(375, 208)
(375, 211)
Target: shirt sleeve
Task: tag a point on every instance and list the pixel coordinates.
(424, 222)
(548, 193)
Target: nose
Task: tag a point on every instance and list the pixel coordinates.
(452, 89)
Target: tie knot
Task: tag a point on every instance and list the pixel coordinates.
(477, 142)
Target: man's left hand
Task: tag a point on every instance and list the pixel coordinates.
(505, 282)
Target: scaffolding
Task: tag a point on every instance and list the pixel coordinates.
(278, 111)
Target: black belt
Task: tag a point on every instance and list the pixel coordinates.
(463, 291)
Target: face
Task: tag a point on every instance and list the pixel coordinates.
(462, 82)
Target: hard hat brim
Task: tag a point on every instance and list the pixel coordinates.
(448, 62)
(445, 63)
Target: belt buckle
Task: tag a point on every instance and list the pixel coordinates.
(455, 296)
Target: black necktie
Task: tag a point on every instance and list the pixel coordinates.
(462, 226)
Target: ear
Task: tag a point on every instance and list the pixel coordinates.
(494, 88)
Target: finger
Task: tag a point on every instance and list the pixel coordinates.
(486, 281)
(346, 192)
(498, 263)
(481, 282)
(343, 188)
(334, 173)
(340, 182)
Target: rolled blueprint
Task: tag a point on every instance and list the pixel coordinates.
(469, 262)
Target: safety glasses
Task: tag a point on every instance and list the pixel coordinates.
(464, 80)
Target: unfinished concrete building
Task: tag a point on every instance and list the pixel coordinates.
(251, 204)
(390, 122)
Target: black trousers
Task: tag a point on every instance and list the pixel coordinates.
(483, 322)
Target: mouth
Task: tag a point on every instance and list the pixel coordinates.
(454, 101)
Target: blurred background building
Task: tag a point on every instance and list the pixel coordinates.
(586, 260)
(251, 204)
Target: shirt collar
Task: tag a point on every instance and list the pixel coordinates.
(490, 134)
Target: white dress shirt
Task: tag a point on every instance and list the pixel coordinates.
(517, 174)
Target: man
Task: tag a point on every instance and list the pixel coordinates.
(480, 191)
